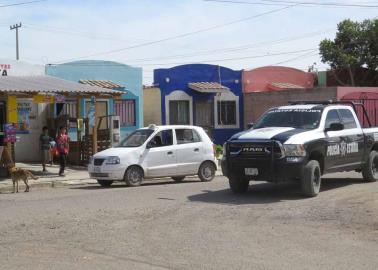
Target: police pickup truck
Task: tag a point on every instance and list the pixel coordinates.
(302, 141)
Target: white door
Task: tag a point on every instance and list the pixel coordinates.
(189, 151)
(160, 156)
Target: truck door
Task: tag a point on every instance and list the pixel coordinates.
(333, 140)
(353, 150)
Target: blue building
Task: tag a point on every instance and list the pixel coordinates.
(209, 96)
(109, 75)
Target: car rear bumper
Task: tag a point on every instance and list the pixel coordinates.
(278, 170)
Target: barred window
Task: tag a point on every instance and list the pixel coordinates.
(226, 112)
(125, 109)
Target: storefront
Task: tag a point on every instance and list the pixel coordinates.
(27, 102)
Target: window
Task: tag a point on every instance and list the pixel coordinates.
(125, 109)
(348, 119)
(67, 108)
(187, 136)
(137, 138)
(163, 138)
(226, 113)
(179, 112)
(332, 117)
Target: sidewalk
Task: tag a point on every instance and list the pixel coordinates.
(75, 175)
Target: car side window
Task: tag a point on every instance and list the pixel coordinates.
(347, 119)
(187, 135)
(163, 138)
(332, 117)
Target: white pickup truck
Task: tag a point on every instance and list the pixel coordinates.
(301, 142)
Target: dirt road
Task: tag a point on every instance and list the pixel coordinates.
(192, 225)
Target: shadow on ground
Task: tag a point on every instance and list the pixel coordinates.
(120, 184)
(262, 193)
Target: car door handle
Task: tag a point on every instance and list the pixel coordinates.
(170, 153)
(196, 149)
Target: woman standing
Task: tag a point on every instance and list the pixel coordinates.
(63, 145)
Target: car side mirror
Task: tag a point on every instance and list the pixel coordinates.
(250, 125)
(335, 127)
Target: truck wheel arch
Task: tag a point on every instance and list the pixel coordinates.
(319, 157)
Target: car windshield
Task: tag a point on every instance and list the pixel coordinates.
(296, 118)
(137, 138)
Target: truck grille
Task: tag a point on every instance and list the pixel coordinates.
(255, 149)
(98, 161)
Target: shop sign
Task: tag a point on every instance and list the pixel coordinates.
(23, 112)
(10, 133)
(43, 99)
(12, 109)
(4, 69)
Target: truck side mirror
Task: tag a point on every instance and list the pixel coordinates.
(335, 127)
(250, 125)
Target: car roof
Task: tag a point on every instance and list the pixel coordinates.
(170, 126)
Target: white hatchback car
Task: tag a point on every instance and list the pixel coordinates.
(156, 151)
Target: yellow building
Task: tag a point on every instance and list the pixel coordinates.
(151, 105)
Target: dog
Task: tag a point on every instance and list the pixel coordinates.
(18, 174)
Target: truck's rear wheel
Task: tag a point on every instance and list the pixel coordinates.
(370, 169)
(238, 184)
(311, 179)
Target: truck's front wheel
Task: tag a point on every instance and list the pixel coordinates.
(370, 169)
(311, 179)
(238, 184)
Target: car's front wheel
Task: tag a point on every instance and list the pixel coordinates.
(238, 184)
(134, 176)
(206, 171)
(105, 183)
(311, 179)
(370, 169)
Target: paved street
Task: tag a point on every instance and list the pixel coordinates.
(191, 225)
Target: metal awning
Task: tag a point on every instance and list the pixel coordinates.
(50, 85)
(208, 87)
(103, 83)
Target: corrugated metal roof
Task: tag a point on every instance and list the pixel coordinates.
(102, 83)
(282, 85)
(208, 87)
(48, 84)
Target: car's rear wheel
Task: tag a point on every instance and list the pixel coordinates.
(311, 179)
(105, 183)
(206, 171)
(238, 184)
(178, 178)
(134, 176)
(370, 169)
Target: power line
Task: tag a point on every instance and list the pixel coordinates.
(302, 56)
(284, 2)
(22, 3)
(181, 35)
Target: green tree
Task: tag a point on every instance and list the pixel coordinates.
(355, 47)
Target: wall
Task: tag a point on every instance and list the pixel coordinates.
(258, 80)
(127, 76)
(255, 104)
(178, 78)
(151, 106)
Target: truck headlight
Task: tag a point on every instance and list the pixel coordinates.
(112, 160)
(294, 150)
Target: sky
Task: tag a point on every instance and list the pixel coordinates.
(164, 33)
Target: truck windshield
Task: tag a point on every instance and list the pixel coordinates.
(137, 138)
(296, 118)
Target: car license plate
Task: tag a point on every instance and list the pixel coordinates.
(97, 169)
(251, 171)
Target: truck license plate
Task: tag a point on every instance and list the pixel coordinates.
(251, 171)
(97, 169)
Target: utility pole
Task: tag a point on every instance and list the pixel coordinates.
(12, 27)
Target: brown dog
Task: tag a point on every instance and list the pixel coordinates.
(18, 174)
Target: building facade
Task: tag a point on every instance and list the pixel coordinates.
(122, 77)
(151, 105)
(209, 96)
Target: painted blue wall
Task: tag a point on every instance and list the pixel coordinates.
(127, 76)
(181, 76)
